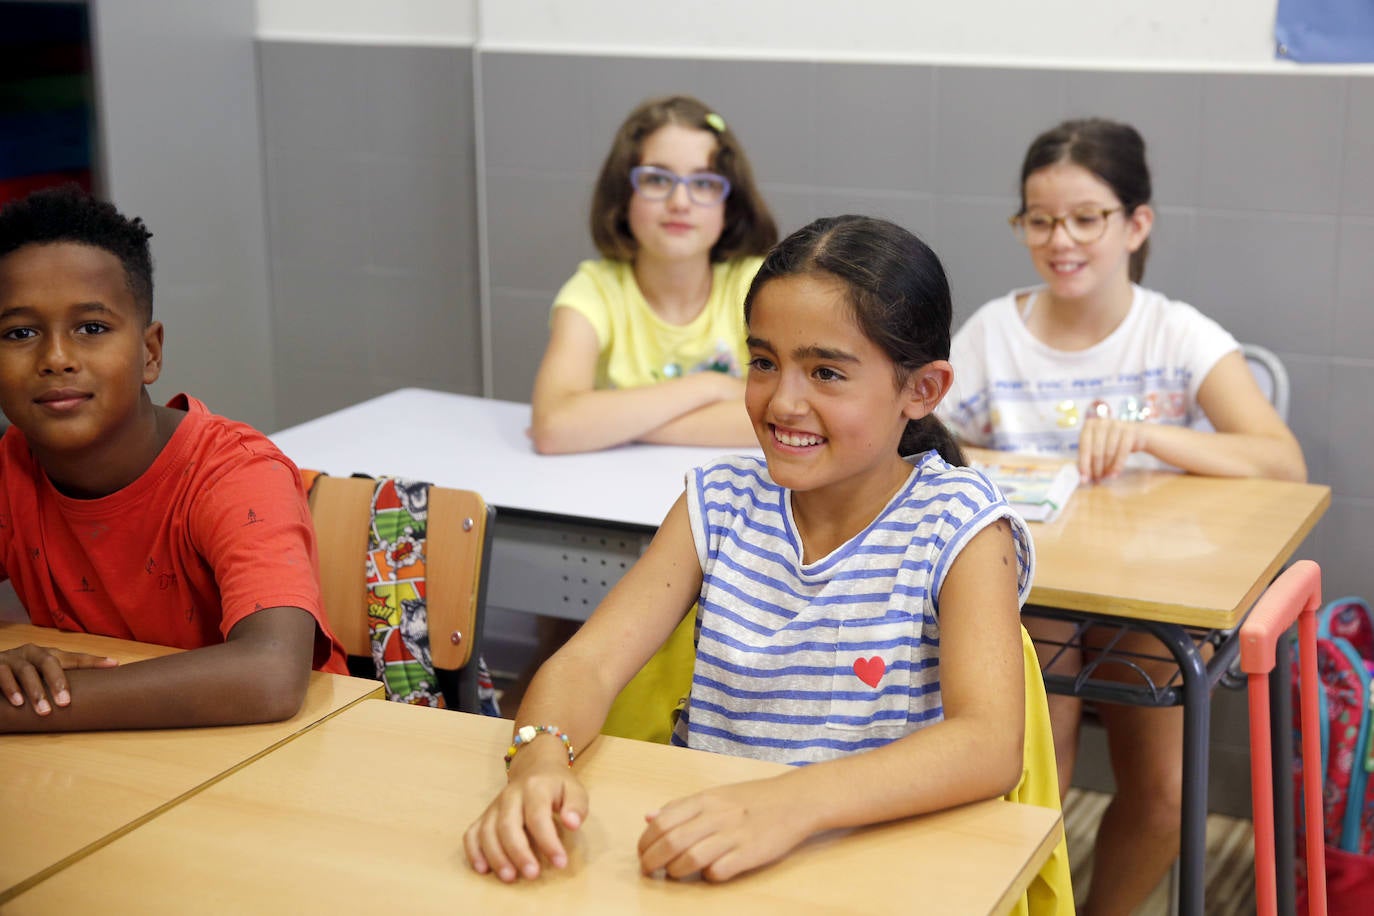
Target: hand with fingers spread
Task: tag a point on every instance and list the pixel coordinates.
(724, 831)
(524, 822)
(1104, 445)
(37, 673)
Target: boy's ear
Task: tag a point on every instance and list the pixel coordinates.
(926, 387)
(152, 352)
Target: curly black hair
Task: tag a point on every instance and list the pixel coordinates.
(69, 214)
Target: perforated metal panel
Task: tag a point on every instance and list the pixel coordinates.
(557, 568)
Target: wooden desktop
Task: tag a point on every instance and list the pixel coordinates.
(64, 795)
(366, 812)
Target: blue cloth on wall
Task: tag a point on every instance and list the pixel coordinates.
(1325, 31)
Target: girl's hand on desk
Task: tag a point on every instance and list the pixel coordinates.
(26, 671)
(542, 795)
(1104, 445)
(724, 831)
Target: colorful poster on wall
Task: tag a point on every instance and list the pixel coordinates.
(1325, 31)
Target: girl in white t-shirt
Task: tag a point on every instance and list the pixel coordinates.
(1091, 364)
(647, 344)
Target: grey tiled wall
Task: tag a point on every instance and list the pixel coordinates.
(179, 143)
(1264, 190)
(372, 221)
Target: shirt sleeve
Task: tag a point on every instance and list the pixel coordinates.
(696, 512)
(252, 525)
(976, 505)
(586, 293)
(1201, 343)
(742, 272)
(739, 278)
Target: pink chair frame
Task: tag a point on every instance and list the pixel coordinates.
(1295, 595)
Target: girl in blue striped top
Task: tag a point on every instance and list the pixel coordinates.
(857, 593)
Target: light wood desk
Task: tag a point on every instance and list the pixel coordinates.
(64, 795)
(1182, 558)
(1176, 548)
(368, 811)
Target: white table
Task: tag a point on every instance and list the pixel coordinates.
(567, 526)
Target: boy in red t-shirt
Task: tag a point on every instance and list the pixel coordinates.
(119, 517)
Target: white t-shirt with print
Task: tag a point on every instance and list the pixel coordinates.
(1012, 392)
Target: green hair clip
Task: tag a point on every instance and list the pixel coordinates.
(716, 121)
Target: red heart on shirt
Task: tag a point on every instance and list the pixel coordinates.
(870, 670)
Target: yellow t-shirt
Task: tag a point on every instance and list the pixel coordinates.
(639, 348)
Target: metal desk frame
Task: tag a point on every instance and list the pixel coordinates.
(1190, 685)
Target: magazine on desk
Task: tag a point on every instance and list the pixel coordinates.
(1036, 489)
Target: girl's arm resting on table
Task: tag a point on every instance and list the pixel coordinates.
(724, 424)
(1251, 440)
(975, 753)
(258, 674)
(574, 690)
(570, 415)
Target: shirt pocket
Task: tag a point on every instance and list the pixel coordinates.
(872, 678)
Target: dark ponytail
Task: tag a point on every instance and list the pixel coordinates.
(930, 433)
(899, 294)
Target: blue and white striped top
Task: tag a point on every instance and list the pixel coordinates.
(799, 663)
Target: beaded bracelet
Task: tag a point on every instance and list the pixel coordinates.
(527, 733)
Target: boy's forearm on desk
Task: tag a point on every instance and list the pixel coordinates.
(241, 681)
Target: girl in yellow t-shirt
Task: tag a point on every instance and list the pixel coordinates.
(647, 344)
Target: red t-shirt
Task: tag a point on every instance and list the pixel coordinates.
(217, 528)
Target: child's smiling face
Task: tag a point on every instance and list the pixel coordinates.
(1077, 270)
(825, 400)
(75, 348)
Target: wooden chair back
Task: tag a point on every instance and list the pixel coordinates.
(457, 554)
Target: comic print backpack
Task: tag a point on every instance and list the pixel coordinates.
(381, 528)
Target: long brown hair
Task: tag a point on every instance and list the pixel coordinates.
(749, 226)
